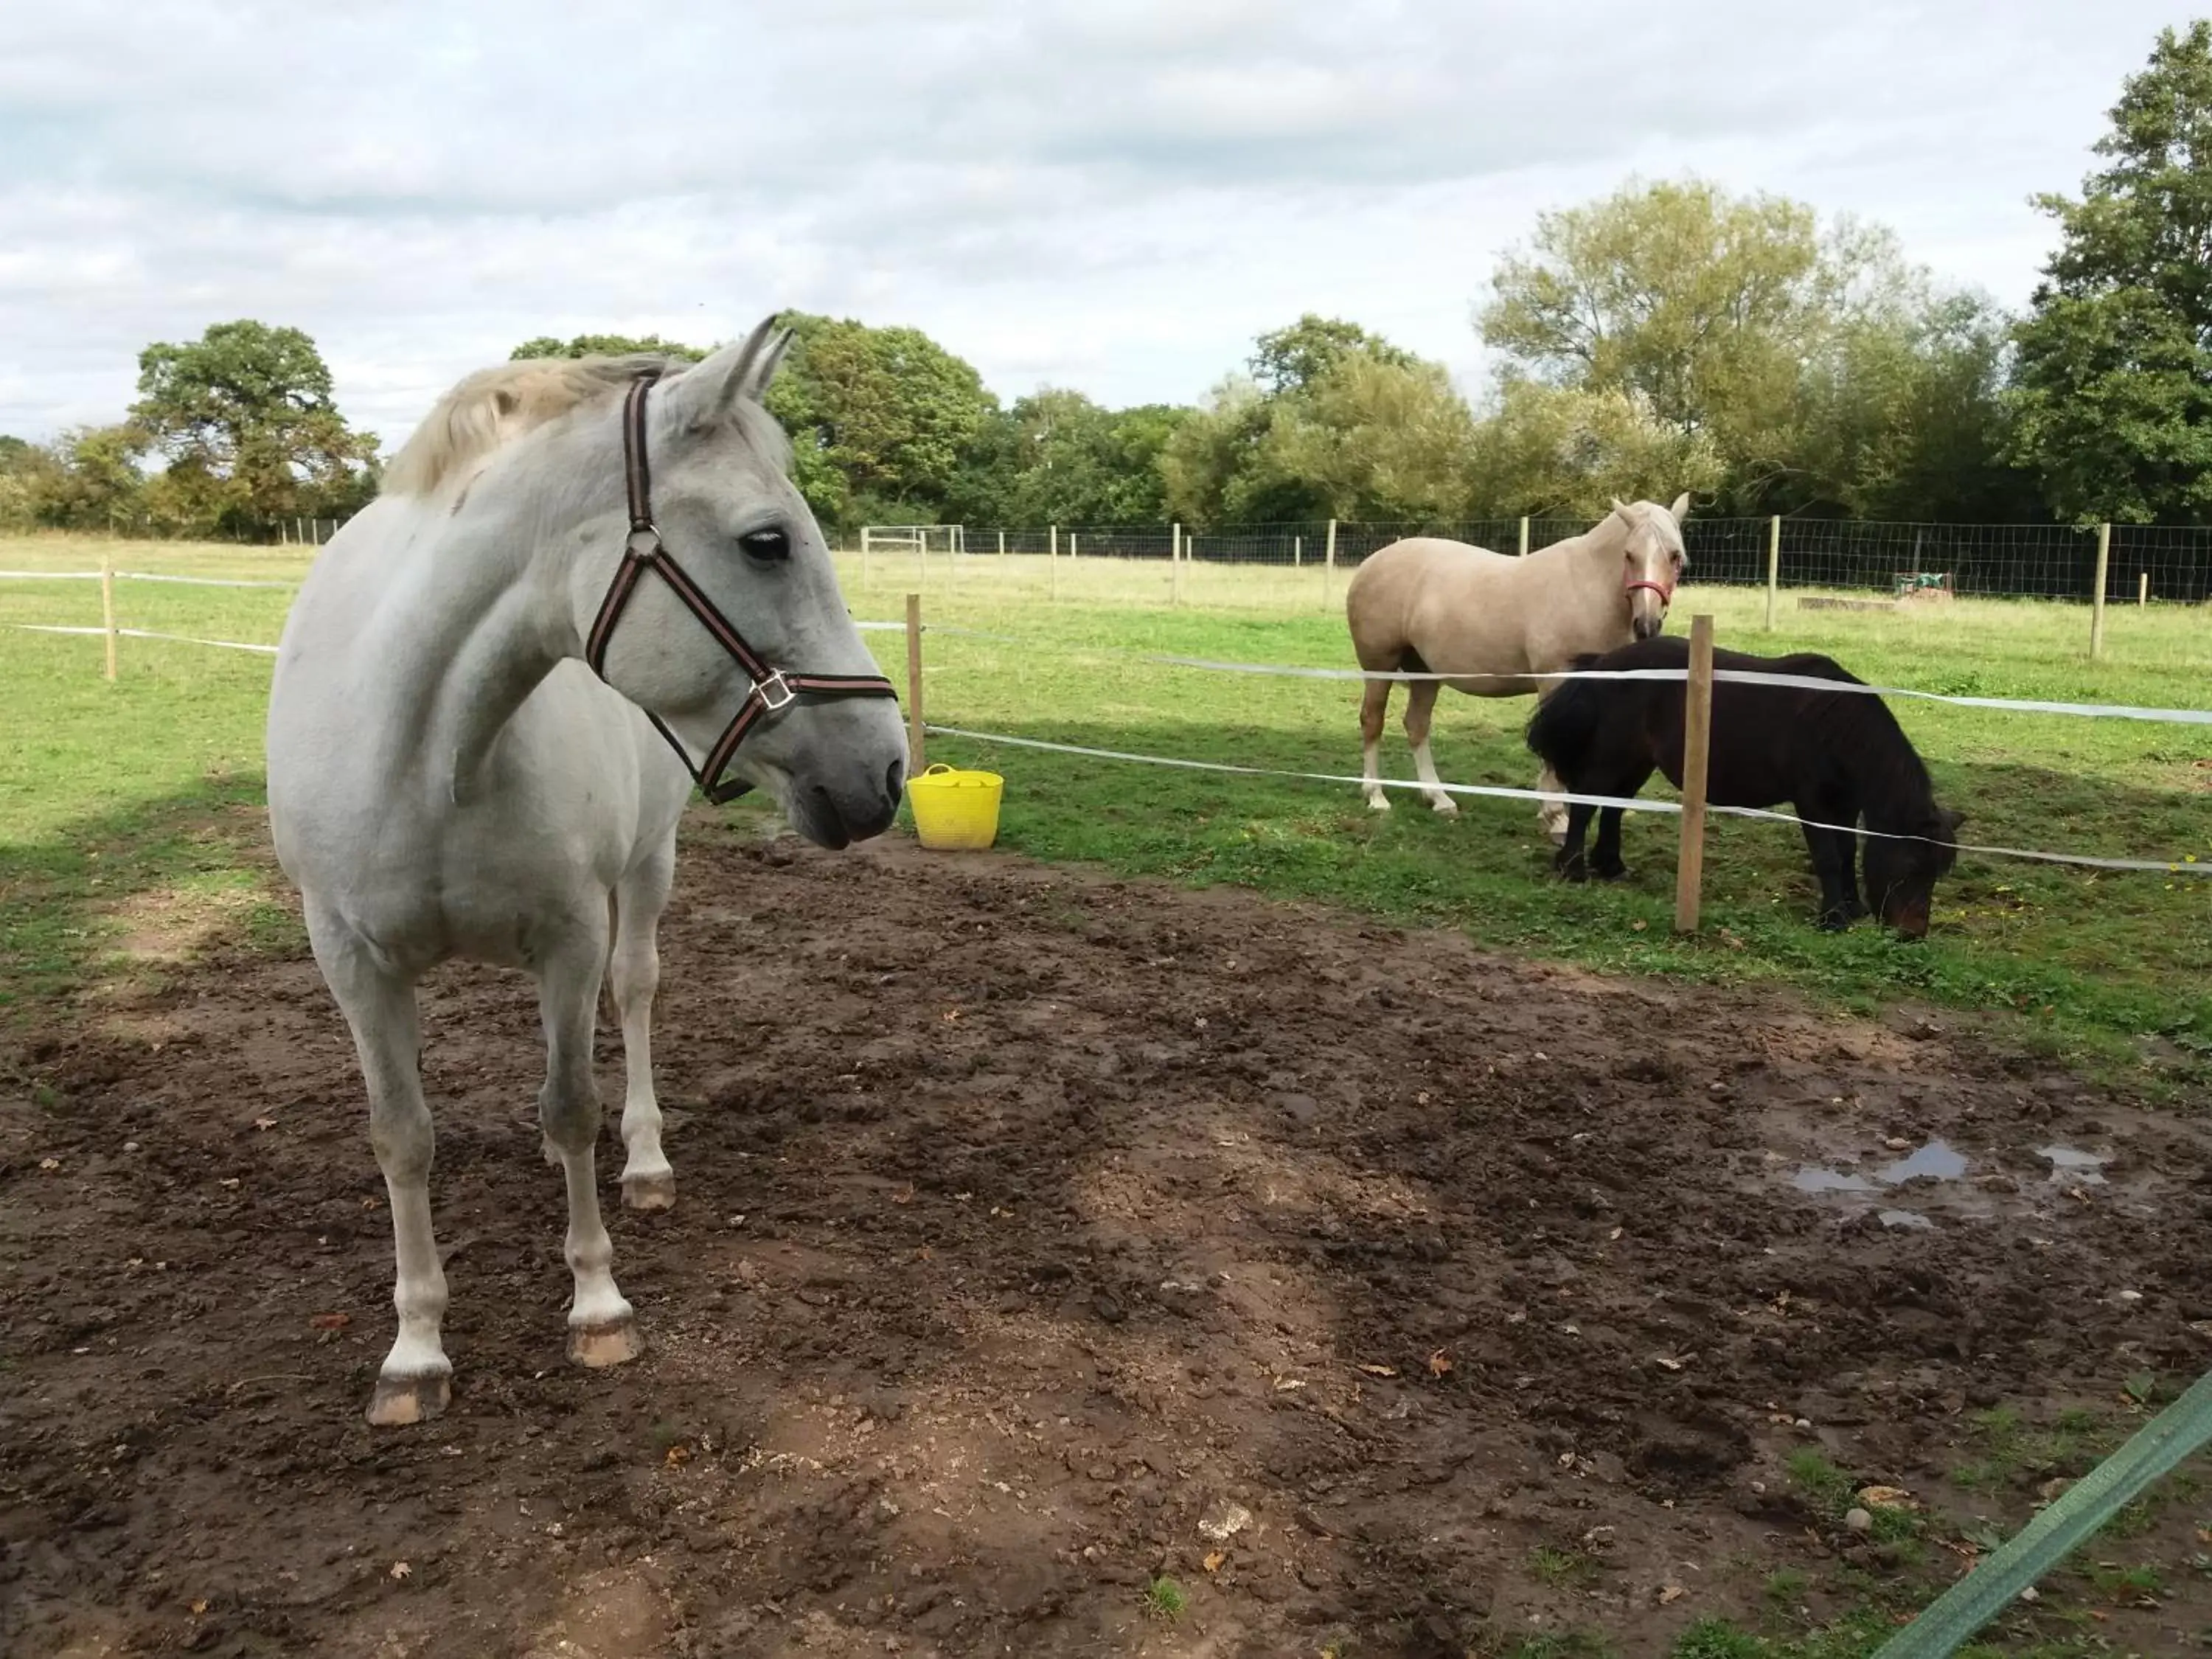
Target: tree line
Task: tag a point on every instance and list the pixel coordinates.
(1672, 336)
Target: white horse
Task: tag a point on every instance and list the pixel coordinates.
(1428, 606)
(447, 777)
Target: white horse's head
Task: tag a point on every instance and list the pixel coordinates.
(1652, 560)
(727, 512)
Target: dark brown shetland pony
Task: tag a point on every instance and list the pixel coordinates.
(1835, 756)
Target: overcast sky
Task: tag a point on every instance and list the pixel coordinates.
(1114, 195)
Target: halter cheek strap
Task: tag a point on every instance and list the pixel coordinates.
(774, 689)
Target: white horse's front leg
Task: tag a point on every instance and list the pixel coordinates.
(602, 1328)
(415, 1381)
(647, 1181)
(1420, 708)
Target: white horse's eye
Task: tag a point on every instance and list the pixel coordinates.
(766, 543)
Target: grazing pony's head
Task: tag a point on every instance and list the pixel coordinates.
(1901, 874)
(1652, 560)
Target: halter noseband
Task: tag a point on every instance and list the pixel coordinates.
(1665, 591)
(773, 690)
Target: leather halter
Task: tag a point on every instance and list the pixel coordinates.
(1665, 591)
(773, 690)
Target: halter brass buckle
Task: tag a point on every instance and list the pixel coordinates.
(775, 693)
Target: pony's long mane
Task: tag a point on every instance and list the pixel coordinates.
(1866, 731)
(495, 406)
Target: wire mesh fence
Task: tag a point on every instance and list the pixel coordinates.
(2148, 563)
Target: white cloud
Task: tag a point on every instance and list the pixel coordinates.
(1114, 194)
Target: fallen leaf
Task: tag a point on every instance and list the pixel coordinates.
(1670, 1593)
(1380, 1370)
(1887, 1497)
(265, 1122)
(50, 1164)
(1638, 927)
(679, 1457)
(1439, 1363)
(199, 1608)
(1213, 1561)
(1285, 1384)
(233, 1182)
(1615, 1234)
(1665, 1363)
(905, 1195)
(401, 1570)
(951, 1016)
(332, 1321)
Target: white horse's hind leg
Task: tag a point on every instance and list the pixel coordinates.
(647, 1181)
(602, 1329)
(1420, 705)
(415, 1381)
(1374, 708)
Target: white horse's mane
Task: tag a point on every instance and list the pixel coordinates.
(495, 406)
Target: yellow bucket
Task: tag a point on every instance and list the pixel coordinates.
(956, 811)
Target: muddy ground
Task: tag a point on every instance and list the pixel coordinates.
(1040, 1233)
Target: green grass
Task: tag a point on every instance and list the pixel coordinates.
(1165, 1599)
(2114, 970)
(2097, 966)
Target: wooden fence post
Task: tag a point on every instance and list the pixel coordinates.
(107, 607)
(1052, 558)
(1329, 565)
(2097, 599)
(1773, 569)
(1697, 740)
(864, 534)
(916, 763)
(1174, 564)
(1002, 543)
(1524, 535)
(2143, 587)
(1297, 552)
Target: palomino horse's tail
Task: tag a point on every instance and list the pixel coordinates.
(1565, 724)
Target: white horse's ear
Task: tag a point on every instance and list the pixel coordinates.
(1621, 508)
(1682, 507)
(703, 394)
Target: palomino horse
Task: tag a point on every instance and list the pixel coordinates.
(1428, 606)
(447, 777)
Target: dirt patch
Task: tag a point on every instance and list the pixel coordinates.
(1041, 1233)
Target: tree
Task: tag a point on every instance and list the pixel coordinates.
(888, 411)
(1378, 437)
(245, 416)
(1288, 360)
(88, 479)
(604, 345)
(2112, 392)
(1332, 421)
(1819, 370)
(1058, 458)
(1549, 451)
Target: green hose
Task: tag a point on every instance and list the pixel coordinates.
(2044, 1542)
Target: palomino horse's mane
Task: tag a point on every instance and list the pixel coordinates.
(495, 406)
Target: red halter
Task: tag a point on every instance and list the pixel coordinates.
(1664, 590)
(773, 690)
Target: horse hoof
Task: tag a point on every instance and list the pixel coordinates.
(1378, 803)
(596, 1346)
(653, 1191)
(1558, 837)
(1622, 873)
(1448, 807)
(400, 1401)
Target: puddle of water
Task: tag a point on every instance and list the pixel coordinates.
(1812, 1179)
(1904, 1218)
(1933, 1161)
(2070, 1163)
(1939, 1160)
